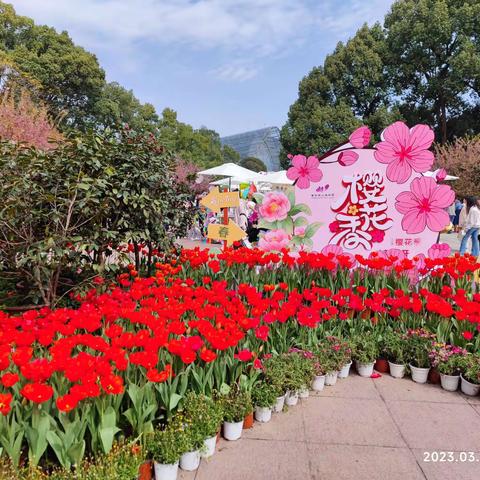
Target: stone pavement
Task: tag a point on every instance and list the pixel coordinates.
(359, 429)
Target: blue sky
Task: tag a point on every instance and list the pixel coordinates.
(229, 65)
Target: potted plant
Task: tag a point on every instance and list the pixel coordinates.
(419, 345)
(165, 447)
(333, 358)
(365, 352)
(205, 416)
(470, 377)
(235, 406)
(448, 360)
(274, 373)
(394, 348)
(295, 377)
(345, 362)
(381, 363)
(318, 381)
(264, 397)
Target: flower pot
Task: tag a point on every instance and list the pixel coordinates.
(165, 471)
(304, 393)
(345, 370)
(278, 407)
(145, 471)
(469, 388)
(381, 365)
(232, 430)
(331, 378)
(364, 369)
(450, 382)
(209, 445)
(434, 376)
(291, 398)
(263, 414)
(419, 375)
(318, 383)
(248, 421)
(190, 461)
(396, 370)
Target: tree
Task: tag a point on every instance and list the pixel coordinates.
(64, 210)
(118, 106)
(230, 155)
(71, 77)
(253, 163)
(350, 89)
(461, 158)
(435, 59)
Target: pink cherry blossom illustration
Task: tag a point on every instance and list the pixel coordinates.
(405, 150)
(347, 158)
(441, 175)
(360, 137)
(304, 170)
(275, 206)
(336, 251)
(439, 250)
(424, 205)
(274, 240)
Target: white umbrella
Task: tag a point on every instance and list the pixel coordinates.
(434, 175)
(230, 170)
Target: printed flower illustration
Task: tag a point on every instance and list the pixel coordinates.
(347, 158)
(299, 231)
(304, 170)
(352, 209)
(336, 250)
(360, 137)
(275, 206)
(274, 240)
(377, 236)
(405, 150)
(424, 205)
(439, 250)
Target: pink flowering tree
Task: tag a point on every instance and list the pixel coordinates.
(23, 121)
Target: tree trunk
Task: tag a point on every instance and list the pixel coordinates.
(443, 121)
(137, 256)
(149, 262)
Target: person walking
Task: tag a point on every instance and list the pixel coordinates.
(451, 214)
(456, 220)
(472, 226)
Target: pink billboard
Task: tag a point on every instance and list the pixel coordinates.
(358, 200)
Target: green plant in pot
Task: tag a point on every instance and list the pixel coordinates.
(394, 346)
(275, 372)
(365, 352)
(205, 417)
(470, 377)
(264, 397)
(235, 404)
(419, 346)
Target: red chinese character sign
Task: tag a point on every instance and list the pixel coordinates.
(358, 200)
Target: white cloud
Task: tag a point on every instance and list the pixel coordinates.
(244, 30)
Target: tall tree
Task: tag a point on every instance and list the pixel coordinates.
(435, 59)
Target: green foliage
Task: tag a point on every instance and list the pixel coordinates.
(167, 446)
(470, 367)
(394, 346)
(204, 413)
(364, 347)
(264, 395)
(419, 346)
(235, 404)
(65, 210)
(253, 163)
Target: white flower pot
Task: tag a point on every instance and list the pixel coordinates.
(345, 370)
(263, 414)
(278, 407)
(318, 383)
(166, 471)
(450, 382)
(304, 393)
(364, 369)
(232, 430)
(209, 445)
(469, 388)
(190, 461)
(291, 399)
(419, 375)
(331, 378)
(396, 370)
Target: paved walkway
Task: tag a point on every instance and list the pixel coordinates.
(359, 429)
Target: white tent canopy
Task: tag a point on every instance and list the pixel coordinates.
(230, 170)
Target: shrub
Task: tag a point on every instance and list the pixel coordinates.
(204, 414)
(236, 404)
(264, 395)
(394, 347)
(364, 347)
(419, 346)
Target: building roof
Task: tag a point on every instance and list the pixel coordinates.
(263, 144)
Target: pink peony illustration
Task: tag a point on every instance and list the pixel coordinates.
(393, 254)
(360, 137)
(336, 251)
(439, 250)
(403, 150)
(299, 231)
(347, 158)
(275, 206)
(304, 170)
(424, 205)
(274, 240)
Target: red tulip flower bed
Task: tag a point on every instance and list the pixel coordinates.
(72, 380)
